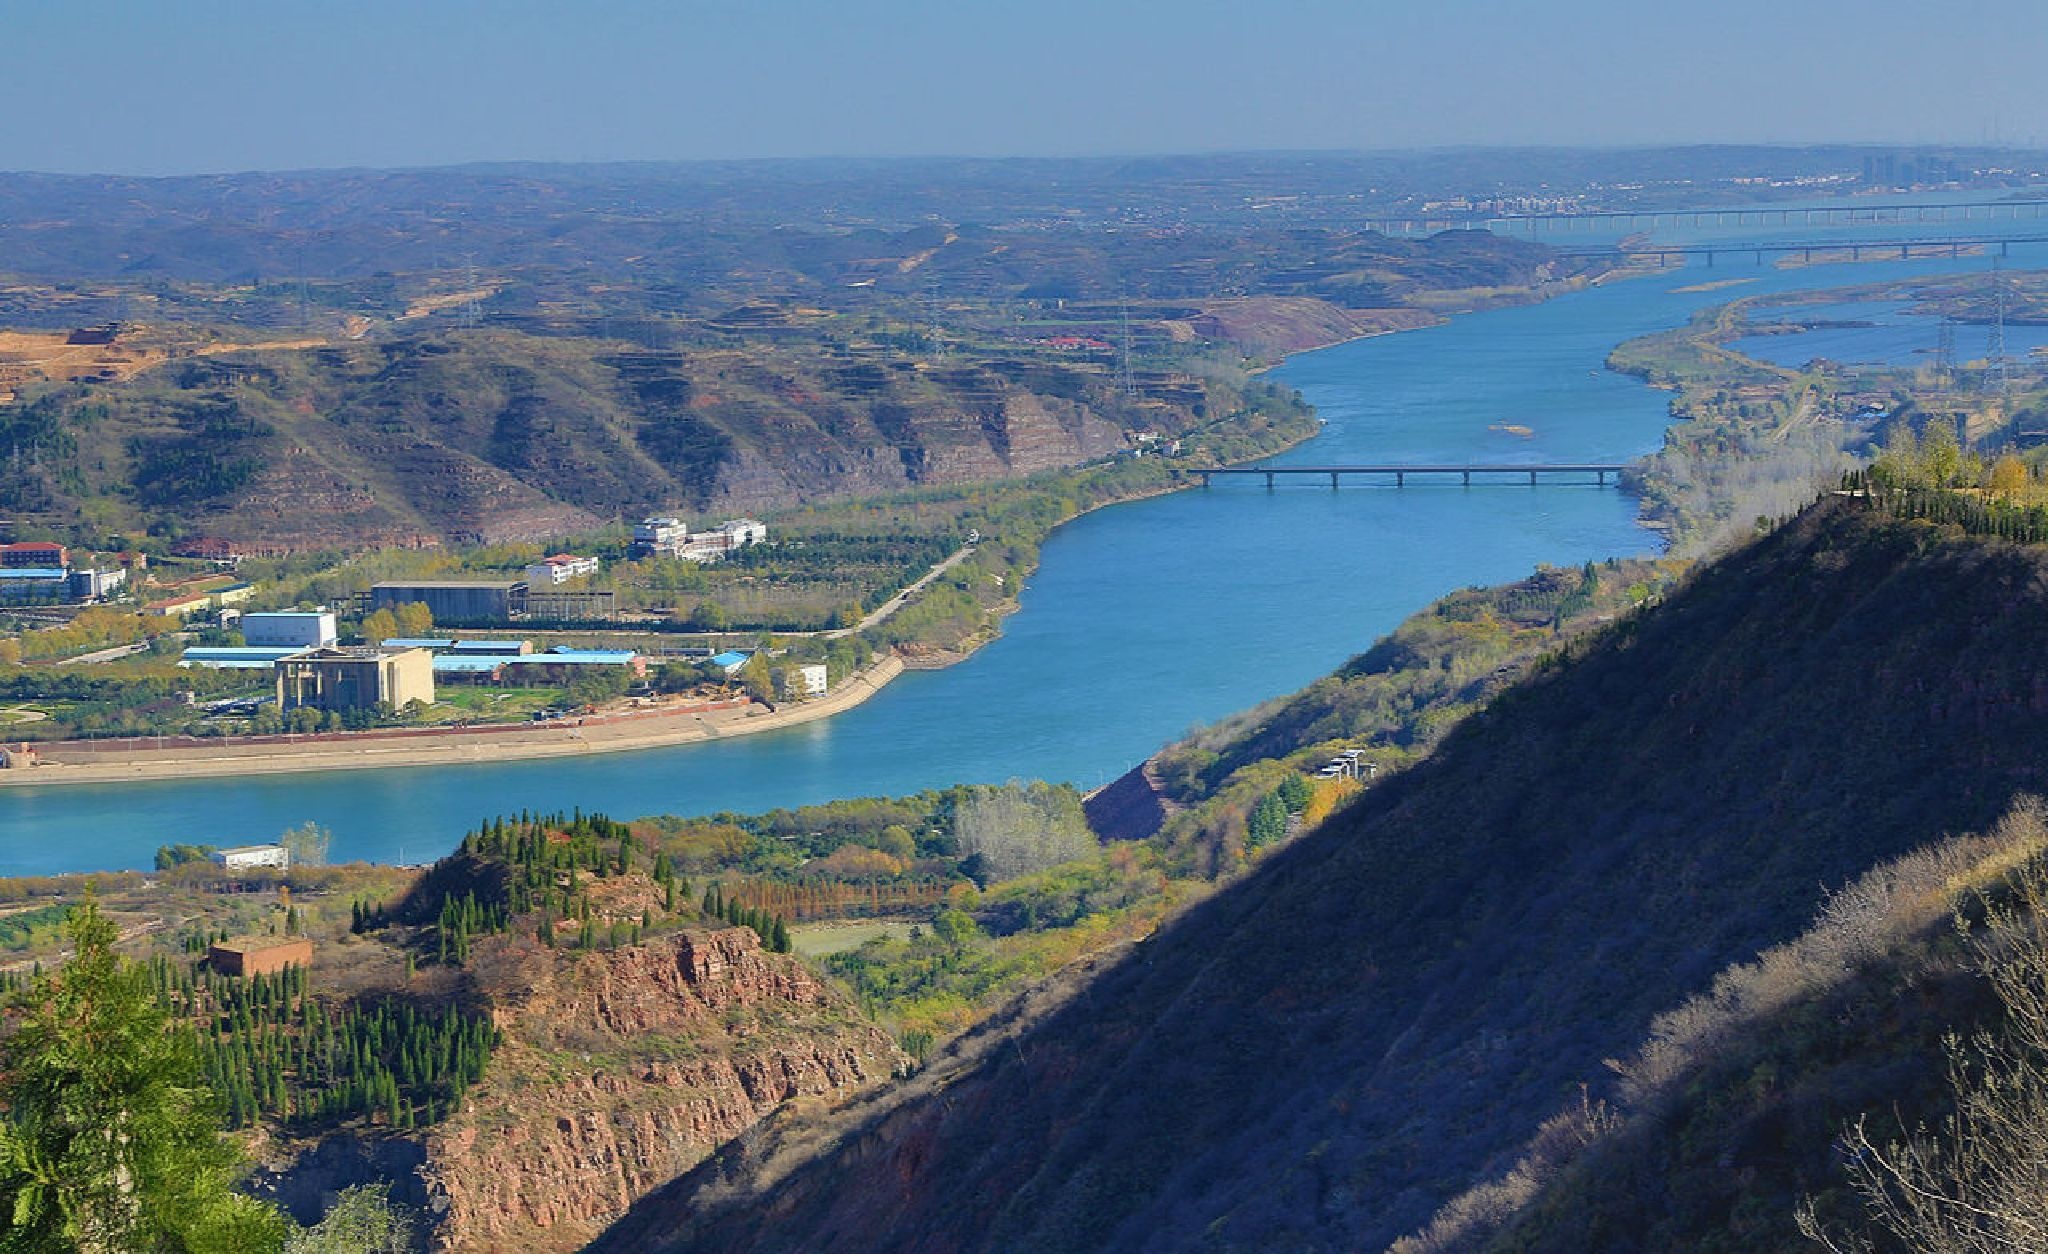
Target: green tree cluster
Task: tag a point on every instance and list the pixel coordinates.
(110, 1141)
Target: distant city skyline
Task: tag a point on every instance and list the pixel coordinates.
(232, 85)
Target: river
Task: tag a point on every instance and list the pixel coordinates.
(1144, 619)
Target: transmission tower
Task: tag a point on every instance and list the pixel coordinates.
(931, 307)
(1125, 380)
(472, 312)
(1996, 349)
(1945, 353)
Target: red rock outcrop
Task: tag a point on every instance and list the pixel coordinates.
(620, 1070)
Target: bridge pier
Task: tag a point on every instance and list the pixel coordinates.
(1468, 478)
(1333, 478)
(1269, 481)
(1400, 478)
(1532, 478)
(1603, 477)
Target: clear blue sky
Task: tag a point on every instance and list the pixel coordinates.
(201, 85)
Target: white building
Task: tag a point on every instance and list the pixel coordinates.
(242, 857)
(297, 629)
(744, 531)
(561, 568)
(95, 584)
(808, 681)
(660, 535)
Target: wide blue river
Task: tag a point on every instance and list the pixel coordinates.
(1144, 620)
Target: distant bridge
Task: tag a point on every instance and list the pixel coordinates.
(1948, 246)
(1534, 471)
(1651, 219)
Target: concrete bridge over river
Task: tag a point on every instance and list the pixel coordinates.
(1533, 472)
(1727, 215)
(1808, 249)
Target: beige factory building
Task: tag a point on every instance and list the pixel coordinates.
(353, 678)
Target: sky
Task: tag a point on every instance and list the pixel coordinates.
(146, 87)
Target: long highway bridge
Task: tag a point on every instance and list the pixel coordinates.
(1758, 215)
(1533, 471)
(1905, 249)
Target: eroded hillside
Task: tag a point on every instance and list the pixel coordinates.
(1389, 1008)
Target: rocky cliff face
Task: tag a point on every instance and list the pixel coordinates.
(621, 1069)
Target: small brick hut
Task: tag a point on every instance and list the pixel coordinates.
(259, 955)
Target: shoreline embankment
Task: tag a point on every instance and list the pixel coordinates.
(76, 763)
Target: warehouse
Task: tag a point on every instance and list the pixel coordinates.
(456, 601)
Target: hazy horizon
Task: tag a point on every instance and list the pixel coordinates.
(231, 86)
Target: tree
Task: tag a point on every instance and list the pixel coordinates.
(307, 844)
(1979, 1181)
(414, 619)
(2009, 478)
(362, 1221)
(1019, 829)
(10, 652)
(710, 616)
(1268, 822)
(109, 1141)
(380, 626)
(896, 841)
(1295, 792)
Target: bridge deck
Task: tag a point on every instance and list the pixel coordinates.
(1420, 468)
(1401, 470)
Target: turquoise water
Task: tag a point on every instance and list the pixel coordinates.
(1144, 619)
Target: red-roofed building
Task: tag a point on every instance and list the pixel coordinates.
(37, 553)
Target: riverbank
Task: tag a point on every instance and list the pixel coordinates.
(466, 746)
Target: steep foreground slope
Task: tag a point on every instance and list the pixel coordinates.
(1384, 1012)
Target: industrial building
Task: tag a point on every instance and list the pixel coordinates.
(298, 629)
(571, 604)
(560, 664)
(456, 601)
(243, 857)
(219, 657)
(492, 661)
(335, 678)
(34, 585)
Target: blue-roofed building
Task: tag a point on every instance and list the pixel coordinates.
(491, 648)
(449, 666)
(236, 657)
(730, 662)
(35, 584)
(562, 658)
(436, 644)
